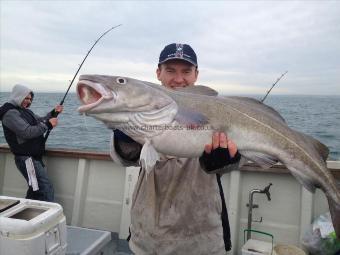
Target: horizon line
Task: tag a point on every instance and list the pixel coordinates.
(233, 93)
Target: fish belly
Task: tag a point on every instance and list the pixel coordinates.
(182, 142)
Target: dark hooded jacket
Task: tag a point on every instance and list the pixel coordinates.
(23, 130)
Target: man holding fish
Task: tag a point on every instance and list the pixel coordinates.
(178, 207)
(170, 190)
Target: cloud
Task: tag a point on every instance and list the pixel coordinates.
(242, 46)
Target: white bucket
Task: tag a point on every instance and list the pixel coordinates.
(257, 247)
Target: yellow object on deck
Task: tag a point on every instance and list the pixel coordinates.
(283, 249)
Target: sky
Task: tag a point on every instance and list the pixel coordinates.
(243, 47)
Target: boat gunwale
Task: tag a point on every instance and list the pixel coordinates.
(333, 166)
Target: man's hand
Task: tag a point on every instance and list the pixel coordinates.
(53, 121)
(220, 153)
(220, 139)
(59, 108)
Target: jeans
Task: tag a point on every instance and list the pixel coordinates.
(46, 191)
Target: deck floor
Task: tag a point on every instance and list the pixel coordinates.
(85, 241)
(117, 246)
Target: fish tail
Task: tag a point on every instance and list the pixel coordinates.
(334, 209)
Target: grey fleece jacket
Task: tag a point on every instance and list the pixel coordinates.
(13, 120)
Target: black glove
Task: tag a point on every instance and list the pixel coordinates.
(218, 158)
(54, 113)
(127, 148)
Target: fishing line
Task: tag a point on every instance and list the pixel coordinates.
(85, 122)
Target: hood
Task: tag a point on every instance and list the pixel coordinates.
(19, 92)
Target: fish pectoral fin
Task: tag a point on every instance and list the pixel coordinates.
(189, 117)
(263, 160)
(148, 157)
(303, 180)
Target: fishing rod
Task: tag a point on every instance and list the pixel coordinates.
(55, 114)
(278, 79)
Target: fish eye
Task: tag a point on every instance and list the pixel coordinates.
(121, 80)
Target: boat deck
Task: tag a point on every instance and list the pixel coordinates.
(89, 241)
(117, 246)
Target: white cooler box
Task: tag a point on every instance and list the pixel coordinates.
(31, 227)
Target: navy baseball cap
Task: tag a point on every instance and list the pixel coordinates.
(178, 51)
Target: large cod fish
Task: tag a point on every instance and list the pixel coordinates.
(180, 122)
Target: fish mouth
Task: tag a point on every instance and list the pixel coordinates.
(91, 94)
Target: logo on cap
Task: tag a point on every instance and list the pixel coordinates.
(179, 50)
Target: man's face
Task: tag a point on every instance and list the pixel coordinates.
(177, 73)
(27, 101)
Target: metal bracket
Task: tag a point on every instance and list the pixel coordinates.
(254, 206)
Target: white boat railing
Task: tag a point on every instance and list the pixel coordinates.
(96, 193)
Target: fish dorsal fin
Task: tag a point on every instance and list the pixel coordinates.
(263, 160)
(320, 147)
(198, 89)
(259, 105)
(247, 99)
